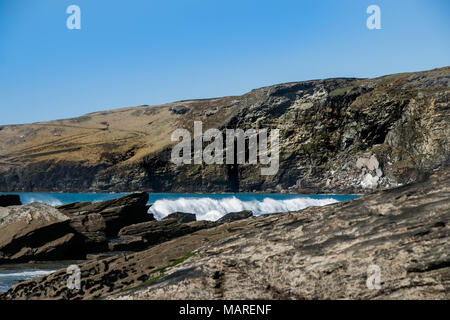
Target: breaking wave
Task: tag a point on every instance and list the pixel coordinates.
(26, 274)
(43, 198)
(212, 209)
(11, 278)
(205, 206)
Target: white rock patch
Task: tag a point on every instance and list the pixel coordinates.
(371, 164)
(369, 181)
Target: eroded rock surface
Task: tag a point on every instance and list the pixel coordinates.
(233, 216)
(155, 232)
(182, 217)
(99, 221)
(317, 253)
(113, 274)
(328, 252)
(36, 232)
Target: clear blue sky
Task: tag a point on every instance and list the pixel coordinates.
(134, 52)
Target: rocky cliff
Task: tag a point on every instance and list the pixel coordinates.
(336, 135)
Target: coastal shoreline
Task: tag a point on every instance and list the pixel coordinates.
(402, 230)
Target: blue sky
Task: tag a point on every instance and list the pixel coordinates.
(134, 52)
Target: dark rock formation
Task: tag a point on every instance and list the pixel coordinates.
(99, 221)
(211, 112)
(179, 109)
(36, 232)
(116, 213)
(328, 252)
(73, 208)
(182, 217)
(234, 216)
(101, 277)
(10, 200)
(127, 243)
(92, 228)
(105, 255)
(155, 232)
(336, 135)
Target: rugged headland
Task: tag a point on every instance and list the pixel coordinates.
(317, 253)
(386, 137)
(340, 135)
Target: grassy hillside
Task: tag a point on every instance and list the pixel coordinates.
(329, 130)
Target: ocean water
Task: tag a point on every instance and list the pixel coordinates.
(205, 206)
(12, 274)
(9, 278)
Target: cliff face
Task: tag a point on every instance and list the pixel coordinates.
(336, 135)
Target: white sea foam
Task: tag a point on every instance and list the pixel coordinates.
(43, 198)
(28, 274)
(10, 278)
(213, 209)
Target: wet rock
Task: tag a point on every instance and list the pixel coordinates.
(233, 216)
(182, 217)
(96, 222)
(10, 200)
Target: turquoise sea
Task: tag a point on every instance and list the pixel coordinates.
(205, 206)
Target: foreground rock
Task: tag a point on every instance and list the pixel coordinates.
(143, 235)
(317, 253)
(328, 253)
(234, 216)
(182, 217)
(155, 232)
(41, 232)
(10, 200)
(102, 277)
(99, 221)
(128, 243)
(73, 208)
(36, 232)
